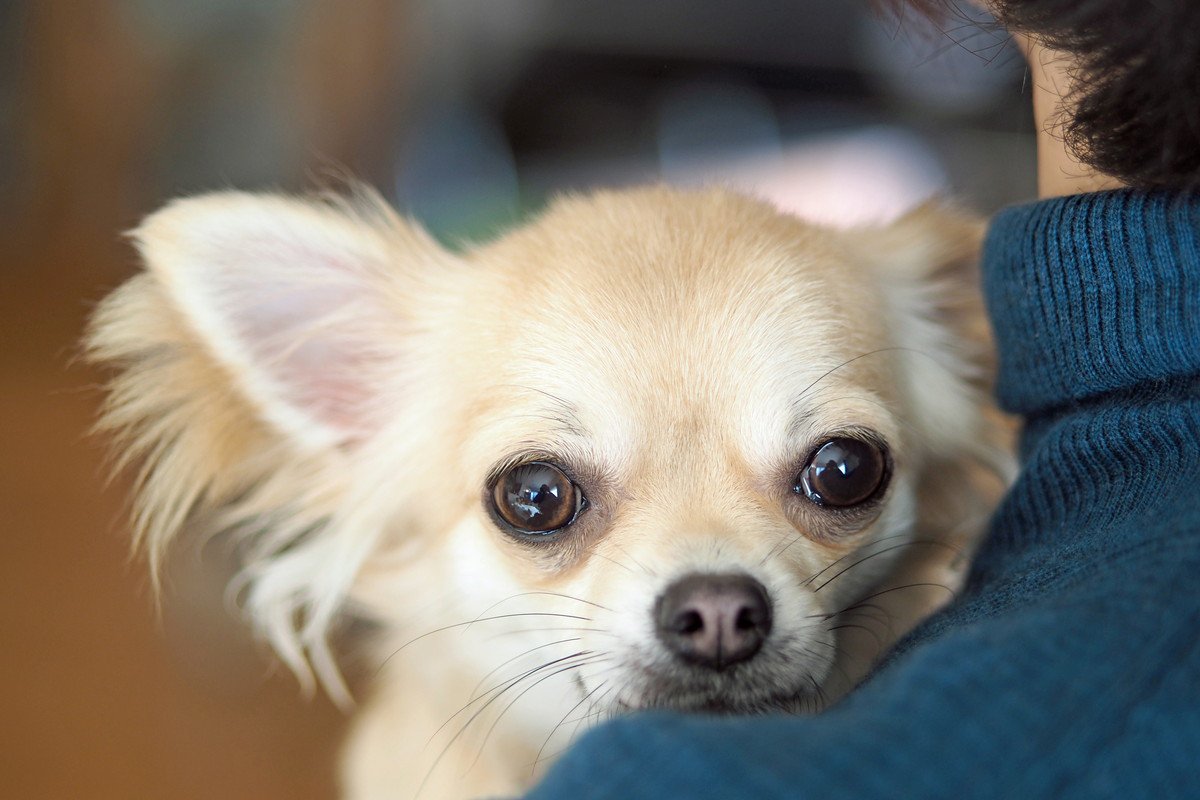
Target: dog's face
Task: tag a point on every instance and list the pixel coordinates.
(692, 415)
(694, 428)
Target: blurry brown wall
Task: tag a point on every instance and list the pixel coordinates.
(113, 107)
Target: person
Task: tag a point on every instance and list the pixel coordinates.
(1070, 665)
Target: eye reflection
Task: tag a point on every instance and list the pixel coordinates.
(537, 498)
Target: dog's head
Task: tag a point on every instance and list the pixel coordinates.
(661, 438)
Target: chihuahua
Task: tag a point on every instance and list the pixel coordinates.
(655, 449)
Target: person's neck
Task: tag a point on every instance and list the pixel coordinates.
(1059, 171)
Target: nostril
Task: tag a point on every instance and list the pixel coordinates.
(688, 621)
(747, 619)
(714, 620)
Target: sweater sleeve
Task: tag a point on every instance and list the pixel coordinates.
(1070, 666)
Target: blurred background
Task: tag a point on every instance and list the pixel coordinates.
(468, 114)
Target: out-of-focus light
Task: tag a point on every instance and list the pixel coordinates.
(862, 177)
(457, 176)
(728, 134)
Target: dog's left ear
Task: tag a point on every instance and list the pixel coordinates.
(927, 265)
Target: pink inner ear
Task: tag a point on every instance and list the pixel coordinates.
(328, 382)
(308, 323)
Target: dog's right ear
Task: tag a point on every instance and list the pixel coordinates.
(265, 345)
(267, 335)
(304, 304)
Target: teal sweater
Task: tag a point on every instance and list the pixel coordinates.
(1070, 665)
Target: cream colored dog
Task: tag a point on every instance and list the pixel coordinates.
(656, 448)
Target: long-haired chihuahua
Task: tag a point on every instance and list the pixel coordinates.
(656, 448)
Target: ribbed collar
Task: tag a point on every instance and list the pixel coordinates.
(1093, 293)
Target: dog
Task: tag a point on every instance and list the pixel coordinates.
(654, 449)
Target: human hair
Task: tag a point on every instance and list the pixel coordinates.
(1134, 108)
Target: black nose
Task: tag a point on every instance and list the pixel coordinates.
(714, 620)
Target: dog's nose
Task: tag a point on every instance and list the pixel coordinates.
(714, 621)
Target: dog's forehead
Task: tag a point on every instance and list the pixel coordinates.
(628, 251)
(684, 278)
(700, 311)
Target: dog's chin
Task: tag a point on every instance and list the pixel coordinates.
(730, 704)
(725, 696)
(737, 706)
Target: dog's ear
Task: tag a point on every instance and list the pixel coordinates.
(266, 336)
(938, 247)
(926, 264)
(302, 304)
(264, 345)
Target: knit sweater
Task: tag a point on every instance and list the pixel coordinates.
(1070, 665)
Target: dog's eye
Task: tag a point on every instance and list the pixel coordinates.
(843, 472)
(537, 498)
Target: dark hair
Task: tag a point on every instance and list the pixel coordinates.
(1134, 111)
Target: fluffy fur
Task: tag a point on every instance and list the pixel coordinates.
(322, 381)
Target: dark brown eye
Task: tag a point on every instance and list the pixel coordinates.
(537, 498)
(843, 472)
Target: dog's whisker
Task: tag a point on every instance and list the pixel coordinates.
(845, 363)
(566, 406)
(918, 585)
(613, 561)
(860, 356)
(521, 655)
(637, 563)
(471, 622)
(500, 687)
(537, 758)
(876, 627)
(595, 710)
(602, 671)
(845, 676)
(587, 657)
(808, 581)
(818, 690)
(850, 625)
(556, 629)
(860, 611)
(545, 594)
(482, 618)
(506, 684)
(779, 548)
(869, 556)
(478, 712)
